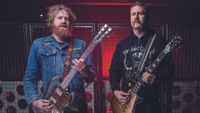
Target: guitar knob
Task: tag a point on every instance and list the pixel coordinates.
(66, 89)
(129, 84)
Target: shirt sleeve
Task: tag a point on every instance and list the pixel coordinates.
(91, 70)
(115, 71)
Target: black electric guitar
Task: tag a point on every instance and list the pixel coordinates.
(59, 94)
(128, 107)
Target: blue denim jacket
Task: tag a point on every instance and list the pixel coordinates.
(47, 58)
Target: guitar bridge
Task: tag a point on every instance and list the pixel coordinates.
(52, 99)
(58, 91)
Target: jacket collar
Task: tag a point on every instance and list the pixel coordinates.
(50, 39)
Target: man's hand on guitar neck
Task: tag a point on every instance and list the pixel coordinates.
(121, 96)
(79, 65)
(42, 105)
(148, 78)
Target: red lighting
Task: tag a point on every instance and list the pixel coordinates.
(89, 110)
(88, 96)
(109, 96)
(119, 32)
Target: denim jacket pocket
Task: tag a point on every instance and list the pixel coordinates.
(48, 58)
(76, 54)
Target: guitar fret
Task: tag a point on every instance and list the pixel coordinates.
(134, 90)
(137, 86)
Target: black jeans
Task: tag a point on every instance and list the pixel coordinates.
(78, 105)
(148, 105)
(82, 108)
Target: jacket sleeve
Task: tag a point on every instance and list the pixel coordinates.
(116, 69)
(30, 77)
(90, 70)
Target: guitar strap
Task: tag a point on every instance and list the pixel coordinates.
(67, 68)
(68, 62)
(146, 53)
(143, 59)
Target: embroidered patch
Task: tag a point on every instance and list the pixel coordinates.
(76, 49)
(51, 52)
(46, 43)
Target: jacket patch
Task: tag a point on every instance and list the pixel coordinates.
(76, 49)
(46, 43)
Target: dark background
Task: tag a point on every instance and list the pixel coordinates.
(96, 11)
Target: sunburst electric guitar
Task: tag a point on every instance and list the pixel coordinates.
(128, 107)
(59, 95)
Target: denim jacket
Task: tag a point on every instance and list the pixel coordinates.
(47, 58)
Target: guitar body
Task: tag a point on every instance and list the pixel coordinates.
(59, 97)
(118, 107)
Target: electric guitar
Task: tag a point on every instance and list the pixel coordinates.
(59, 95)
(128, 107)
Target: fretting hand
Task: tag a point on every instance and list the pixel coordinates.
(79, 65)
(148, 78)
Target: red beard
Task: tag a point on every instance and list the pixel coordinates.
(62, 31)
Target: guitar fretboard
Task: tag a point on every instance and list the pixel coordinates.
(137, 86)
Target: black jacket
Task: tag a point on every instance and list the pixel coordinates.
(134, 48)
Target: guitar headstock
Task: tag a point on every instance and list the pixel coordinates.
(173, 44)
(103, 32)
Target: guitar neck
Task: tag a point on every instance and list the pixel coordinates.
(73, 71)
(104, 31)
(156, 62)
(89, 49)
(150, 69)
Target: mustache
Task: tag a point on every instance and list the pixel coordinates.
(137, 21)
(63, 25)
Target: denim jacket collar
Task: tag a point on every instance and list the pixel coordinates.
(55, 43)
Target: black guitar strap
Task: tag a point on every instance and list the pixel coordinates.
(146, 53)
